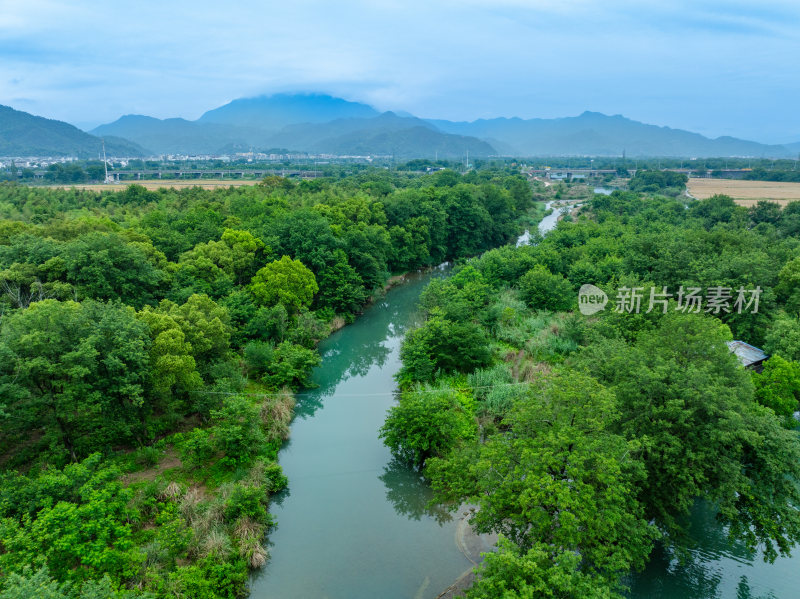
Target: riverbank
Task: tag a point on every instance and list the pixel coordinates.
(473, 546)
(354, 523)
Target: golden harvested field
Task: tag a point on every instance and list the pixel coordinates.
(746, 193)
(157, 183)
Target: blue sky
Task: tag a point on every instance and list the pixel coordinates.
(718, 68)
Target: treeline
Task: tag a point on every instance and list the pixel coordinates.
(148, 345)
(585, 440)
(763, 174)
(668, 183)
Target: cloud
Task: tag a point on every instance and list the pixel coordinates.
(718, 67)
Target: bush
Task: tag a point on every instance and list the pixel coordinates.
(197, 448)
(237, 429)
(246, 501)
(542, 290)
(290, 367)
(444, 345)
(426, 424)
(257, 357)
(147, 456)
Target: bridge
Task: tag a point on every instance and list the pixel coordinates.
(183, 174)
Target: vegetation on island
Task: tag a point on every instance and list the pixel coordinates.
(149, 345)
(586, 440)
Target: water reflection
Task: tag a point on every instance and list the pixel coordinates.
(713, 568)
(410, 495)
(365, 347)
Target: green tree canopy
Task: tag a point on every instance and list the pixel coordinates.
(75, 373)
(778, 388)
(287, 282)
(557, 479)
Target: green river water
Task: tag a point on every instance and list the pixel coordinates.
(353, 523)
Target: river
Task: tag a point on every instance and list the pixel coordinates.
(353, 523)
(716, 569)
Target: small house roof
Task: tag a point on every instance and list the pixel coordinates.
(747, 353)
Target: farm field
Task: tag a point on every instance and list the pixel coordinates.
(157, 183)
(746, 193)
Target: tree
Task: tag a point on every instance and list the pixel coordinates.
(285, 281)
(468, 222)
(778, 388)
(222, 263)
(783, 338)
(543, 290)
(557, 480)
(510, 573)
(103, 266)
(237, 428)
(205, 326)
(765, 211)
(441, 344)
(290, 366)
(173, 367)
(340, 286)
(425, 424)
(80, 529)
(76, 373)
(788, 287)
(690, 404)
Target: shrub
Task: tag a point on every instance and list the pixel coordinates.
(426, 424)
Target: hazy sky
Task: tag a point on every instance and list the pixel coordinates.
(715, 67)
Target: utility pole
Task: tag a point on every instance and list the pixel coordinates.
(105, 162)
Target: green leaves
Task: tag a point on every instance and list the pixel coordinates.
(287, 282)
(237, 428)
(778, 388)
(102, 266)
(541, 571)
(556, 477)
(78, 537)
(545, 291)
(426, 423)
(444, 345)
(77, 372)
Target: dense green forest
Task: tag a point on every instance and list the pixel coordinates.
(149, 346)
(585, 440)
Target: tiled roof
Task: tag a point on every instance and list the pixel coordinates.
(746, 353)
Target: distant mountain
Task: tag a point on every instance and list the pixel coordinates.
(23, 134)
(596, 134)
(179, 136)
(318, 123)
(387, 134)
(272, 113)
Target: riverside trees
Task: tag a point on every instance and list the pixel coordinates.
(590, 438)
(149, 342)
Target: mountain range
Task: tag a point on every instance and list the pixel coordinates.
(23, 134)
(322, 124)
